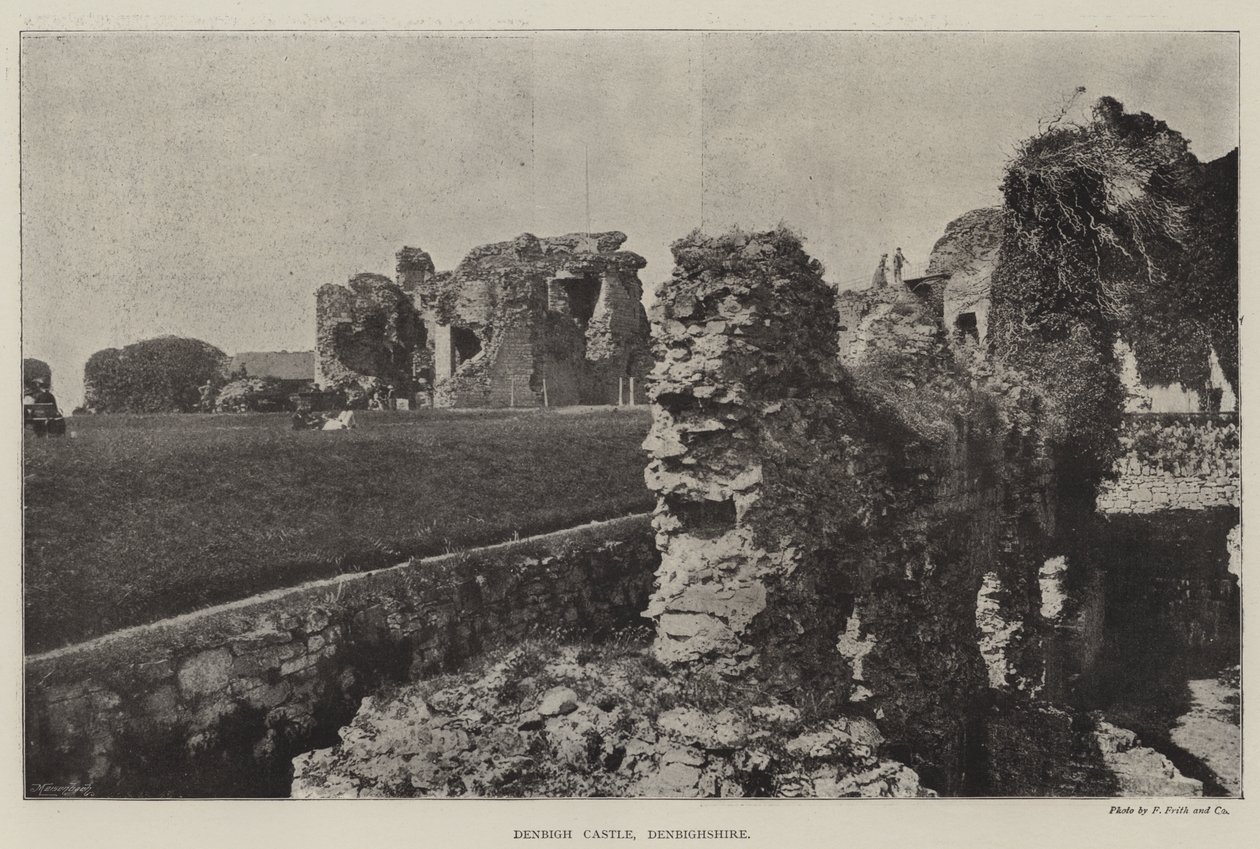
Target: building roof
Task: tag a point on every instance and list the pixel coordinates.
(282, 365)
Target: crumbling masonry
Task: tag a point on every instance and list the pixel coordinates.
(874, 534)
(367, 332)
(523, 323)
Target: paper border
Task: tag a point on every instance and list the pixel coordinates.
(771, 823)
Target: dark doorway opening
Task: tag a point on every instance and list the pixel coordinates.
(583, 294)
(966, 327)
(465, 343)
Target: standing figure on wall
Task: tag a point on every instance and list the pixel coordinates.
(899, 260)
(880, 280)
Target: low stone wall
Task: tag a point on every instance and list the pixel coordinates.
(1175, 461)
(217, 702)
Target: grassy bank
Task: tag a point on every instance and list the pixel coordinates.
(138, 518)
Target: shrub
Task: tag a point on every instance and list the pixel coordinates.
(161, 375)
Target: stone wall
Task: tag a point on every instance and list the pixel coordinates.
(565, 310)
(216, 703)
(1168, 579)
(521, 323)
(968, 253)
(413, 267)
(1175, 461)
(367, 333)
(1172, 627)
(875, 545)
(830, 528)
(889, 322)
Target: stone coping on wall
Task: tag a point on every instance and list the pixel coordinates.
(208, 620)
(250, 682)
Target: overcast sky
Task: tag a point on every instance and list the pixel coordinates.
(206, 184)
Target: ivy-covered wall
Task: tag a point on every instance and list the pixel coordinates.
(1174, 461)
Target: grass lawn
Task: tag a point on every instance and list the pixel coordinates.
(137, 518)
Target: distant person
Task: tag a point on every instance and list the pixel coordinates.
(345, 421)
(42, 395)
(899, 260)
(881, 274)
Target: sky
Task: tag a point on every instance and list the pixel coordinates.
(206, 184)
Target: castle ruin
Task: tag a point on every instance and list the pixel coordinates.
(529, 322)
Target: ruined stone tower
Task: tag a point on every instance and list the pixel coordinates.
(366, 331)
(534, 321)
(522, 323)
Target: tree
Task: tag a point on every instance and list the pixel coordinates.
(161, 375)
(33, 369)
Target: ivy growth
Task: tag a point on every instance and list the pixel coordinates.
(1112, 231)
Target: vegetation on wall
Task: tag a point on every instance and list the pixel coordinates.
(1212, 297)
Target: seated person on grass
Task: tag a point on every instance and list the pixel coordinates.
(344, 421)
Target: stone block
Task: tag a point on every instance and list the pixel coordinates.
(261, 638)
(317, 619)
(162, 705)
(298, 664)
(260, 694)
(205, 673)
(686, 624)
(70, 716)
(212, 712)
(258, 663)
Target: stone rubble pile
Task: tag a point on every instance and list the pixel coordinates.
(545, 720)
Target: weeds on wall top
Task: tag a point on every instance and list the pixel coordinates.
(1106, 220)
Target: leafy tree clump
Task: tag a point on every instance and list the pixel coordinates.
(33, 369)
(161, 375)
